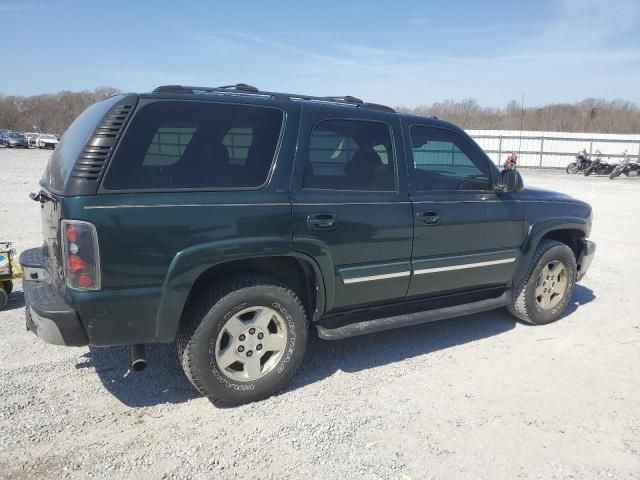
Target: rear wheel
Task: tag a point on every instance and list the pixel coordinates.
(616, 173)
(243, 339)
(573, 168)
(8, 286)
(548, 286)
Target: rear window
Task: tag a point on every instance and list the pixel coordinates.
(72, 142)
(173, 145)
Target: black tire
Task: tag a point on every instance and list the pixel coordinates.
(8, 286)
(524, 305)
(587, 171)
(4, 298)
(573, 168)
(616, 172)
(206, 315)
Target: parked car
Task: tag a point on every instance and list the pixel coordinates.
(3, 134)
(231, 220)
(31, 138)
(46, 141)
(15, 140)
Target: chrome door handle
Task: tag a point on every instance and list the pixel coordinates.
(430, 217)
(322, 221)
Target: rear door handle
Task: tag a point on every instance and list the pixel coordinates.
(322, 221)
(430, 217)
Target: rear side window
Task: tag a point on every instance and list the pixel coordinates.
(350, 155)
(443, 161)
(196, 145)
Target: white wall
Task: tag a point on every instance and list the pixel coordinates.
(531, 141)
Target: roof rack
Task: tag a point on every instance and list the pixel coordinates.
(244, 89)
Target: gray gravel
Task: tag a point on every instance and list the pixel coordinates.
(474, 397)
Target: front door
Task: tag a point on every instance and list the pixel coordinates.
(351, 207)
(466, 236)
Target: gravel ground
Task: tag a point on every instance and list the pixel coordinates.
(474, 397)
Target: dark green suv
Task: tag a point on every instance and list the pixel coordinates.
(230, 220)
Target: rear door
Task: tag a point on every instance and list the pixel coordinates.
(351, 208)
(466, 236)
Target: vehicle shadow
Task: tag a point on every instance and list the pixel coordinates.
(581, 296)
(324, 358)
(163, 381)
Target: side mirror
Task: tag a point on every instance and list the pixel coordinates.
(510, 181)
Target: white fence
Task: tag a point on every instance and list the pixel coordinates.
(553, 149)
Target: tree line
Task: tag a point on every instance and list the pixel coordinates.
(591, 115)
(48, 113)
(52, 113)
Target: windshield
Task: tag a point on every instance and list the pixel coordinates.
(16, 135)
(47, 137)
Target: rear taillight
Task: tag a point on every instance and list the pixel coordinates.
(80, 255)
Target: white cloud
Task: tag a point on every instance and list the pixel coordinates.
(590, 23)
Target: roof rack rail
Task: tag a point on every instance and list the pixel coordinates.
(245, 89)
(346, 98)
(242, 87)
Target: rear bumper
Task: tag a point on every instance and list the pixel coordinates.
(586, 257)
(49, 316)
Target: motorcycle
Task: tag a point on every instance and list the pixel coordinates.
(598, 167)
(581, 164)
(631, 168)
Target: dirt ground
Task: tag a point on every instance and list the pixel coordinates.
(475, 397)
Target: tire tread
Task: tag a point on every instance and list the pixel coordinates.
(199, 306)
(518, 306)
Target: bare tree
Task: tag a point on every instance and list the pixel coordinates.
(590, 115)
(55, 112)
(48, 113)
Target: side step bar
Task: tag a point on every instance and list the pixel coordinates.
(381, 324)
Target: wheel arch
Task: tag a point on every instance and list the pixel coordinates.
(568, 230)
(296, 270)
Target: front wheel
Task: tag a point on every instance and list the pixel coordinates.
(573, 168)
(243, 339)
(547, 288)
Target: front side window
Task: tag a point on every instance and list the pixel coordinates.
(350, 155)
(443, 161)
(196, 145)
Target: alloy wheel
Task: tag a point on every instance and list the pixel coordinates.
(551, 285)
(251, 343)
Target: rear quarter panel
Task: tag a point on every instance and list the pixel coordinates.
(154, 246)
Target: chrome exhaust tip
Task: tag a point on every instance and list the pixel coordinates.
(138, 358)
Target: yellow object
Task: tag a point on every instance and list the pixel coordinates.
(9, 267)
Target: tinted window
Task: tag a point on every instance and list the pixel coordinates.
(196, 145)
(350, 155)
(72, 142)
(443, 160)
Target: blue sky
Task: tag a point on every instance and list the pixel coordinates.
(400, 53)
